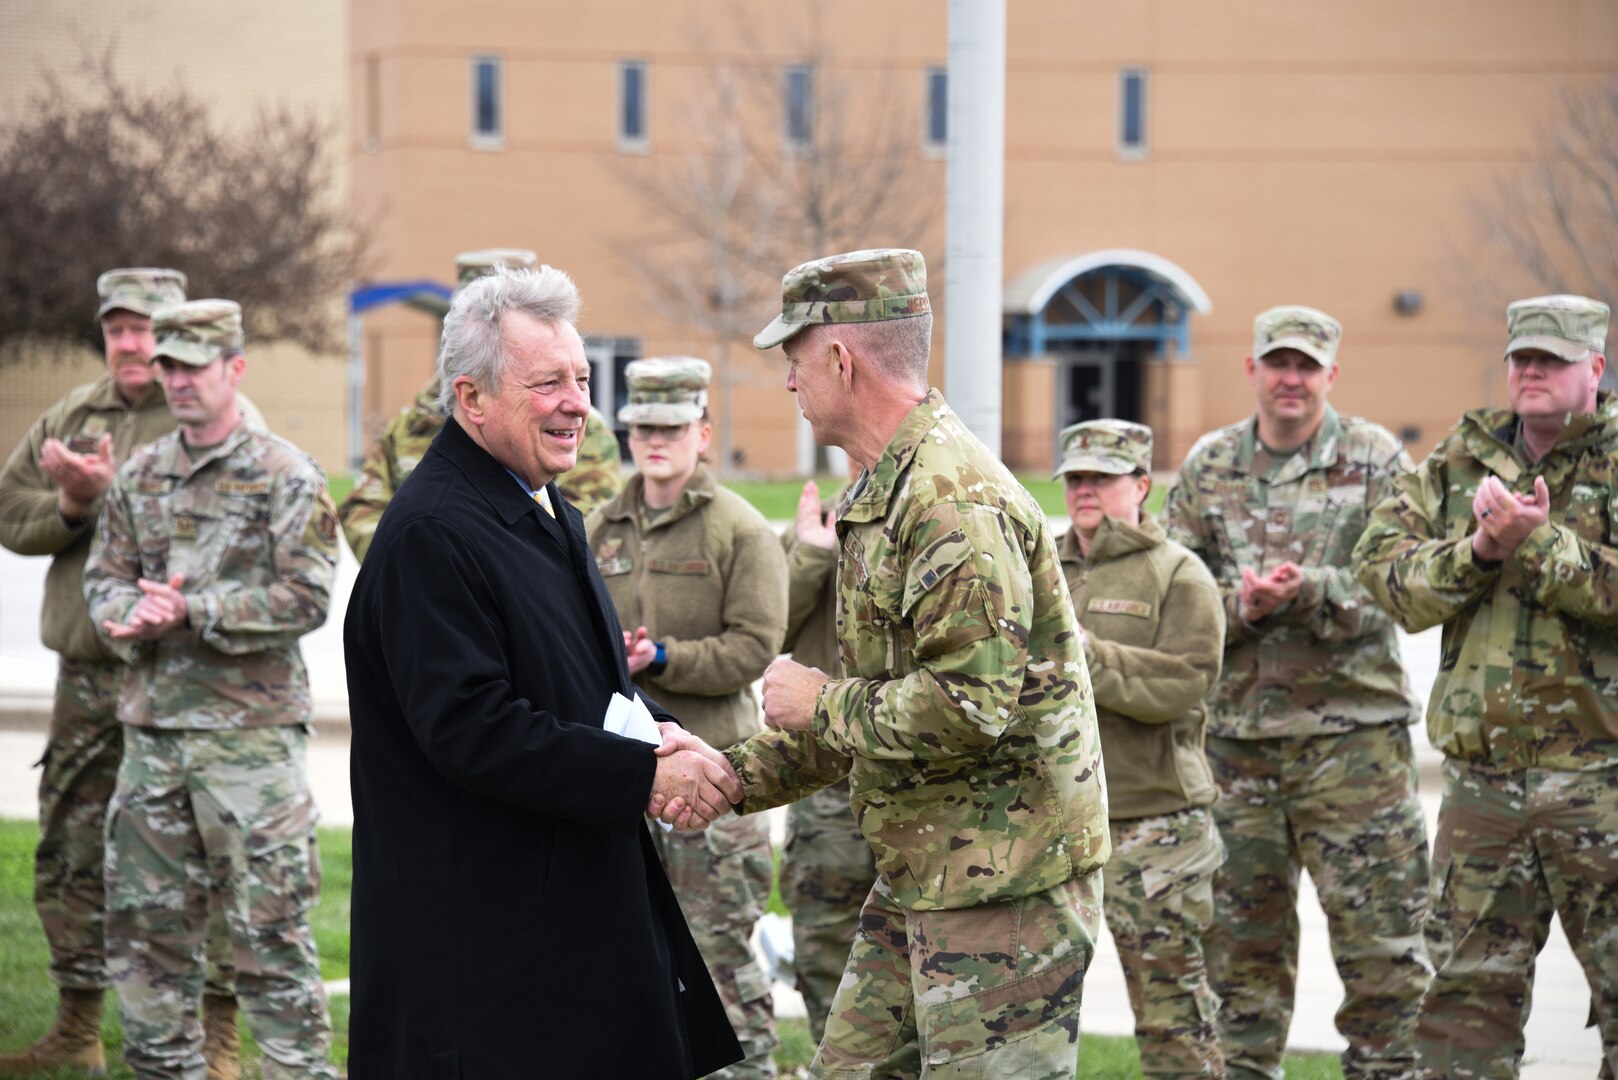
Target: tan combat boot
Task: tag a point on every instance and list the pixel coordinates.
(221, 1040)
(74, 1040)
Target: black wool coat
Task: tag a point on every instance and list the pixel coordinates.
(510, 916)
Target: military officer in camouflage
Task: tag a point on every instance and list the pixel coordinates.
(1154, 632)
(1308, 726)
(215, 552)
(597, 476)
(826, 866)
(1507, 536)
(51, 494)
(963, 717)
(699, 576)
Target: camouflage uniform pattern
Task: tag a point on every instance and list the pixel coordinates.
(722, 877)
(966, 726)
(1158, 900)
(1292, 326)
(1523, 709)
(859, 286)
(927, 992)
(230, 811)
(212, 789)
(250, 525)
(826, 867)
(1570, 327)
(1116, 447)
(667, 390)
(596, 477)
(80, 764)
(1308, 745)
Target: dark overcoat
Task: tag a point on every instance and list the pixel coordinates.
(510, 917)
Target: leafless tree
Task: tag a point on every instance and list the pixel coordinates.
(745, 202)
(1551, 225)
(126, 176)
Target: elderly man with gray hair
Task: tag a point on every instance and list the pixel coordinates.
(505, 884)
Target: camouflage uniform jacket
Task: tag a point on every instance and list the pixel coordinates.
(1528, 674)
(1155, 630)
(708, 580)
(251, 526)
(965, 720)
(30, 523)
(811, 603)
(1327, 662)
(596, 476)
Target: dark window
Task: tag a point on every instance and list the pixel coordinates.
(632, 96)
(486, 118)
(1132, 111)
(937, 106)
(799, 105)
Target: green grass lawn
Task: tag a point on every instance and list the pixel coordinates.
(28, 999)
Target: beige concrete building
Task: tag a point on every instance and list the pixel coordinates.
(238, 57)
(1172, 168)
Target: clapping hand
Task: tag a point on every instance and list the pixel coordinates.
(790, 690)
(161, 608)
(80, 478)
(812, 527)
(1505, 519)
(639, 649)
(1264, 594)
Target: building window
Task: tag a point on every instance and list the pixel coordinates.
(799, 90)
(1132, 112)
(632, 105)
(488, 131)
(937, 133)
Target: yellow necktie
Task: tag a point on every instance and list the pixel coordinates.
(544, 502)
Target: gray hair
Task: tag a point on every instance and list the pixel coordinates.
(474, 341)
(899, 348)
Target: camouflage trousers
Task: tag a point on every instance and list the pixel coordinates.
(1158, 900)
(826, 871)
(230, 810)
(1511, 848)
(989, 992)
(722, 877)
(1345, 807)
(79, 771)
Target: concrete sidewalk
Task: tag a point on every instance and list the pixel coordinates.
(1559, 1046)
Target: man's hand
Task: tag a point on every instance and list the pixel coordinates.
(1263, 595)
(639, 649)
(161, 609)
(676, 811)
(790, 690)
(689, 778)
(1505, 519)
(80, 478)
(811, 528)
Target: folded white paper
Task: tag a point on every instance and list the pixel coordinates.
(631, 718)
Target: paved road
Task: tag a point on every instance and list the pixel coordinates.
(1559, 1046)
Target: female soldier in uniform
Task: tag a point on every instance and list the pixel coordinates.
(701, 576)
(1154, 635)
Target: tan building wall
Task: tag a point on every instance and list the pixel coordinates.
(238, 57)
(1318, 154)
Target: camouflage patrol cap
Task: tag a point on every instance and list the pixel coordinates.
(666, 390)
(859, 286)
(1570, 328)
(198, 332)
(141, 289)
(1311, 332)
(1105, 446)
(471, 265)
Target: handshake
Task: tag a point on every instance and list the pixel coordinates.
(694, 783)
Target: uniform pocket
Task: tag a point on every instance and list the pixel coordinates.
(283, 863)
